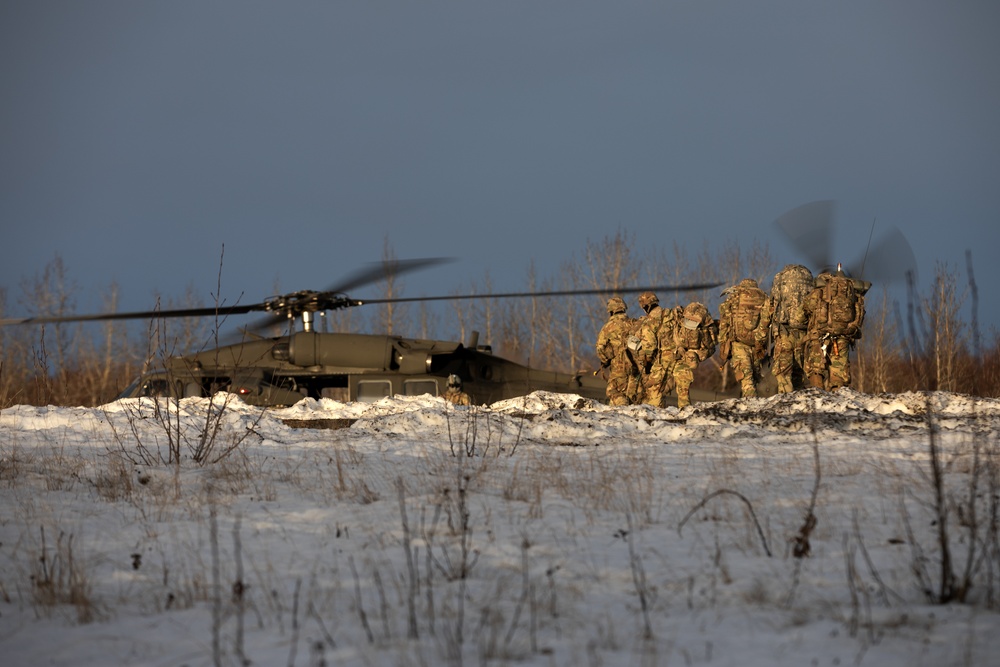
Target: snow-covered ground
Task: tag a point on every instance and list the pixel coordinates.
(548, 530)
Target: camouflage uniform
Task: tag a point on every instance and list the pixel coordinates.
(612, 350)
(656, 350)
(827, 364)
(830, 336)
(454, 394)
(744, 323)
(789, 324)
(695, 335)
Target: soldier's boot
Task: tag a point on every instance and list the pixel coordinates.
(653, 397)
(683, 397)
(816, 380)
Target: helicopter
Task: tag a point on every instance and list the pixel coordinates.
(279, 371)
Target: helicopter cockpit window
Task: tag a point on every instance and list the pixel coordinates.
(154, 388)
(370, 391)
(419, 387)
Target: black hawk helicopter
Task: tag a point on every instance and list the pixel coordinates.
(281, 370)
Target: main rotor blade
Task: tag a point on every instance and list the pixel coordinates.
(523, 295)
(373, 273)
(146, 314)
(889, 260)
(379, 270)
(257, 327)
(809, 228)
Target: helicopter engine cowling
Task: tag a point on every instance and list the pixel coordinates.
(415, 356)
(412, 362)
(307, 349)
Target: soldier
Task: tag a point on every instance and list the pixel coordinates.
(454, 393)
(612, 349)
(836, 311)
(789, 323)
(695, 336)
(743, 328)
(654, 348)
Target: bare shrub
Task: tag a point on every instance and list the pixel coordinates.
(60, 578)
(620, 479)
(14, 459)
(963, 518)
(877, 349)
(749, 507)
(344, 474)
(61, 471)
(117, 480)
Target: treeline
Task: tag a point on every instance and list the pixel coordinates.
(930, 342)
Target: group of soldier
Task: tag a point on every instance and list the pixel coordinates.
(806, 326)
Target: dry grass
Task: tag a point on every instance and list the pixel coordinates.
(14, 462)
(60, 576)
(117, 480)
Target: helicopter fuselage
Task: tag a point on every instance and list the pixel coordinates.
(359, 367)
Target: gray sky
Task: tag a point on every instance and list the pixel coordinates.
(136, 138)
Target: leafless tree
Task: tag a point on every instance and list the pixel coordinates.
(942, 310)
(877, 348)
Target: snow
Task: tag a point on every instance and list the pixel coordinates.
(588, 535)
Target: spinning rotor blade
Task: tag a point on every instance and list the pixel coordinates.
(147, 314)
(579, 292)
(809, 228)
(379, 270)
(889, 260)
(294, 304)
(373, 273)
(257, 327)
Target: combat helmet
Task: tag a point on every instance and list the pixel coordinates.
(748, 282)
(824, 275)
(616, 305)
(860, 286)
(695, 314)
(647, 300)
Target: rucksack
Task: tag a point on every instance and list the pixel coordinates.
(745, 305)
(695, 329)
(662, 327)
(614, 335)
(841, 307)
(789, 290)
(665, 330)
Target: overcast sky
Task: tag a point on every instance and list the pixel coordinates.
(138, 138)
